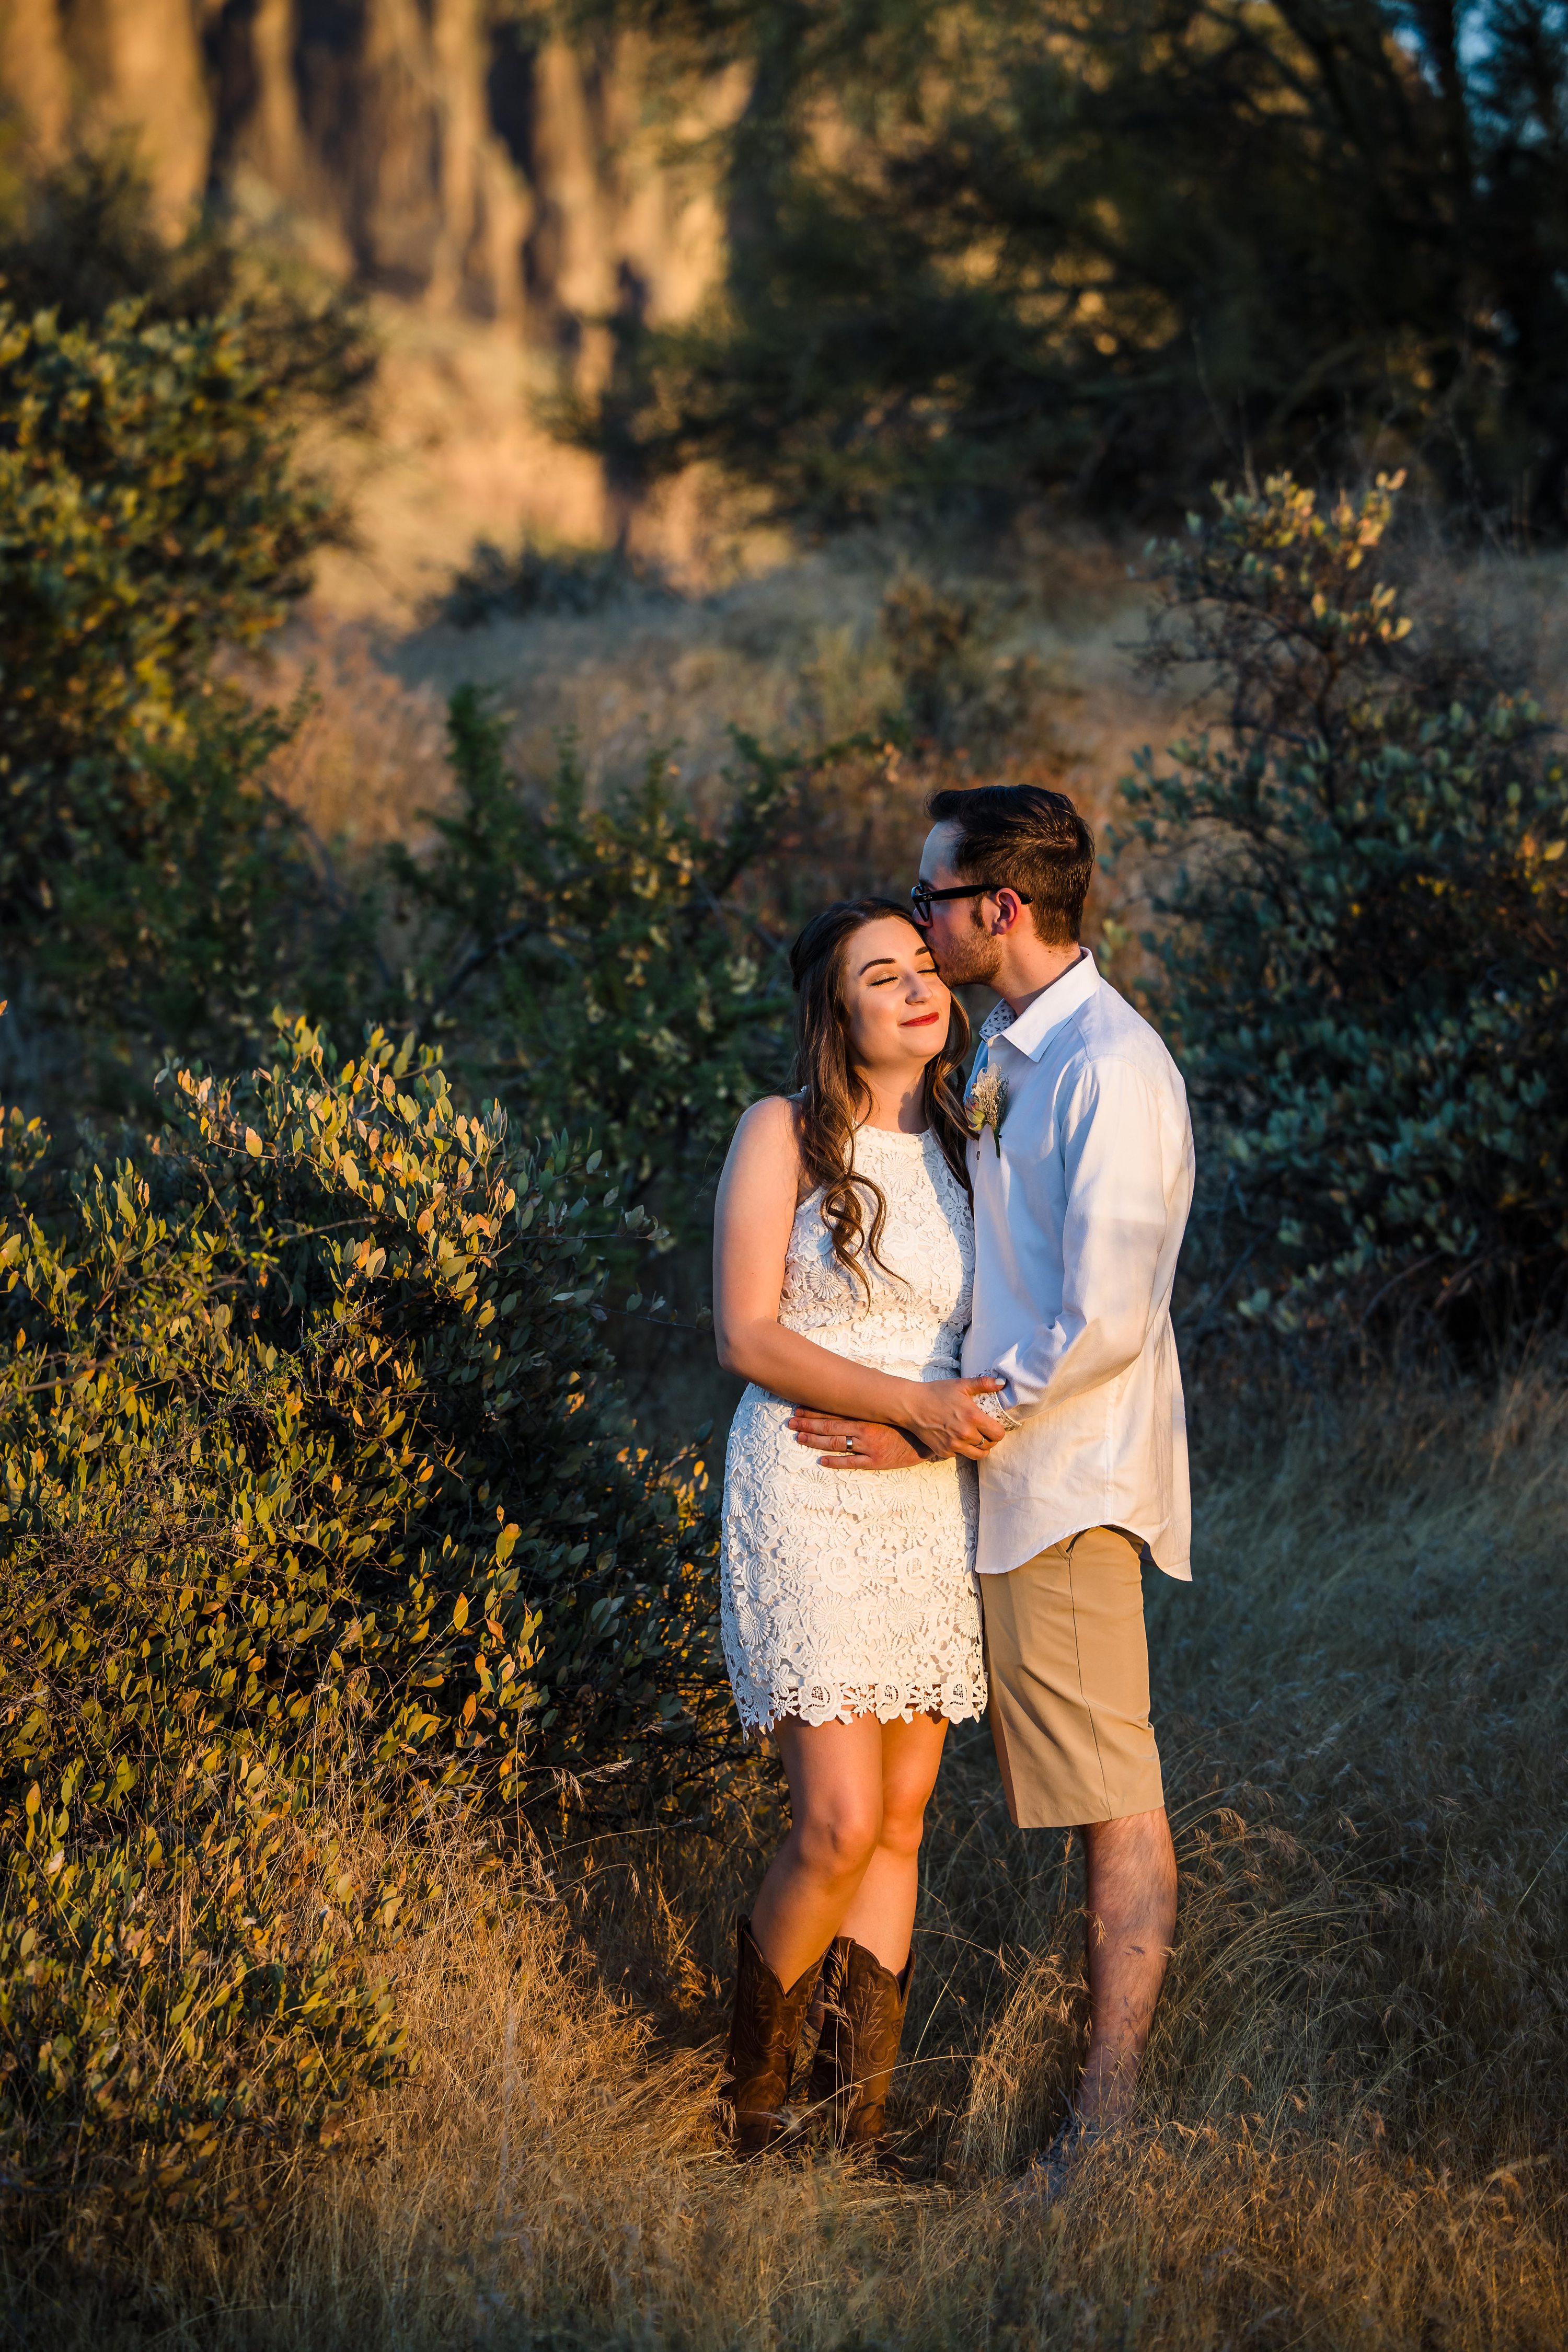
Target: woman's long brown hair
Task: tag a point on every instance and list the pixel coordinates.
(833, 1097)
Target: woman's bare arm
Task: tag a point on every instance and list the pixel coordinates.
(757, 1198)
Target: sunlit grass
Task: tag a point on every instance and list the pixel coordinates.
(1352, 2128)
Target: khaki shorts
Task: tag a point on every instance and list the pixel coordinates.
(1069, 1661)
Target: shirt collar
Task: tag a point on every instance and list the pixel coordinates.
(1057, 1003)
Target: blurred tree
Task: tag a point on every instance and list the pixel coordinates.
(1115, 246)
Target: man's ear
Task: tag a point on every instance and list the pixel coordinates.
(1009, 907)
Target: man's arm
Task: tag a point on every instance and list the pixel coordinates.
(1115, 1229)
(872, 1444)
(753, 1220)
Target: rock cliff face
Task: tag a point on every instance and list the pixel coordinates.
(434, 150)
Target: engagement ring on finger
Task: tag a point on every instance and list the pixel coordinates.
(849, 1446)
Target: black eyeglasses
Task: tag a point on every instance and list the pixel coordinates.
(922, 897)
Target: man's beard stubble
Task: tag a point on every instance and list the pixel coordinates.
(972, 958)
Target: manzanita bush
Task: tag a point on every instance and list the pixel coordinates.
(1363, 972)
(319, 1501)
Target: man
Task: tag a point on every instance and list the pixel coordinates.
(1082, 1172)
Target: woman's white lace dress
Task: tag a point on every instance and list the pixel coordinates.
(850, 1592)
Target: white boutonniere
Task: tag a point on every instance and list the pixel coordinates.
(987, 1104)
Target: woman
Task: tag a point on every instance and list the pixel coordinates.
(843, 1256)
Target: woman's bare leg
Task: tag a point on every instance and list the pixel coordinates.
(834, 1773)
(851, 1865)
(881, 1914)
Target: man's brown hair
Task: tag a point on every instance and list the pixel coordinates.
(1034, 840)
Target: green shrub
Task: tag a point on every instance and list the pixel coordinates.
(1364, 865)
(150, 513)
(318, 1499)
(178, 944)
(610, 967)
(82, 235)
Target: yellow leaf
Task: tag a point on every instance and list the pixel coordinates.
(1553, 850)
(253, 1143)
(460, 1613)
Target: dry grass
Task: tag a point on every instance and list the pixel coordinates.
(795, 654)
(1354, 2126)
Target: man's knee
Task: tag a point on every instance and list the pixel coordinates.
(1140, 1840)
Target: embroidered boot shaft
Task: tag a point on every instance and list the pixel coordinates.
(863, 2024)
(763, 2031)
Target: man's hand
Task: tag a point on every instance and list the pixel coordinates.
(854, 1445)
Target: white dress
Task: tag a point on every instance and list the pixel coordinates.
(850, 1592)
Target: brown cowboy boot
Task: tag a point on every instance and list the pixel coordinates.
(763, 2031)
(830, 2067)
(861, 2029)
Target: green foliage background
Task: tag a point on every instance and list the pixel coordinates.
(616, 967)
(1362, 865)
(155, 892)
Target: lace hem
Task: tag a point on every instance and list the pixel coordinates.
(759, 1709)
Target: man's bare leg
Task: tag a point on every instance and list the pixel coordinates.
(1131, 1907)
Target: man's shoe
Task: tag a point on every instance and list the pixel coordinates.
(1051, 2171)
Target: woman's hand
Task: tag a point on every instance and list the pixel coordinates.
(946, 1416)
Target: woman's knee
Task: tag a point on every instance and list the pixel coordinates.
(839, 1836)
(903, 1826)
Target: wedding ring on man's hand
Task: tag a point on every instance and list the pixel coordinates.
(849, 1446)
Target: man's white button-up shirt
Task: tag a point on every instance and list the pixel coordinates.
(1080, 1201)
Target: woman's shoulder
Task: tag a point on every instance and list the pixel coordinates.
(766, 1133)
(767, 1145)
(770, 1124)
